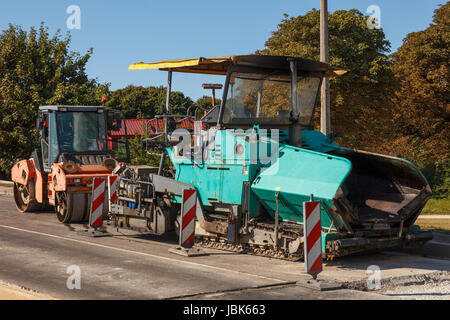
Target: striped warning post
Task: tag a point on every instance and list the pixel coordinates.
(313, 238)
(188, 218)
(97, 199)
(112, 190)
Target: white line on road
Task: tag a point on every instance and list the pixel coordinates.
(144, 254)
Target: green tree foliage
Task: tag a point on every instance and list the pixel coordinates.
(204, 105)
(421, 111)
(422, 104)
(147, 101)
(205, 102)
(139, 155)
(360, 102)
(438, 176)
(37, 69)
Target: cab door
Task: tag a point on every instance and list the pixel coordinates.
(44, 127)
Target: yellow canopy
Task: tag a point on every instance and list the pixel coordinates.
(219, 65)
(335, 72)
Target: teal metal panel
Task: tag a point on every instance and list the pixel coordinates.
(297, 174)
(220, 177)
(317, 141)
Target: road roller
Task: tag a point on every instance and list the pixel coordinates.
(73, 151)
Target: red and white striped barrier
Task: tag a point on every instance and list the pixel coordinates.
(312, 231)
(97, 199)
(188, 218)
(112, 189)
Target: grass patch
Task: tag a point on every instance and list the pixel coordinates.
(437, 206)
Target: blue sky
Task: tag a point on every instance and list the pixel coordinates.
(123, 32)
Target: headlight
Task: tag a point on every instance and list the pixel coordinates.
(70, 167)
(110, 163)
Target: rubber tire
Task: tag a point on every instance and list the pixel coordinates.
(31, 206)
(76, 208)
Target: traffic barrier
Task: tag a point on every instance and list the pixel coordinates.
(187, 228)
(313, 237)
(97, 199)
(112, 190)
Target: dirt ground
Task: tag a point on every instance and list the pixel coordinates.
(433, 291)
(12, 292)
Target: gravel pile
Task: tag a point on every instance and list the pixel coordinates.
(429, 291)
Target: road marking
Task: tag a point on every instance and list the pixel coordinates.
(145, 254)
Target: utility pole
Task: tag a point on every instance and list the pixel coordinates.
(325, 119)
(213, 87)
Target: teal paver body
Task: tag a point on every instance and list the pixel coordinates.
(295, 173)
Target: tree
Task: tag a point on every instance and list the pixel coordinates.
(421, 110)
(36, 69)
(139, 155)
(360, 102)
(205, 103)
(147, 101)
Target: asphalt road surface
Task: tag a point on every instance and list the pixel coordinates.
(42, 255)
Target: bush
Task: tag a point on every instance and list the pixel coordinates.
(438, 176)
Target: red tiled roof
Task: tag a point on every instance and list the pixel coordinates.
(134, 126)
(137, 126)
